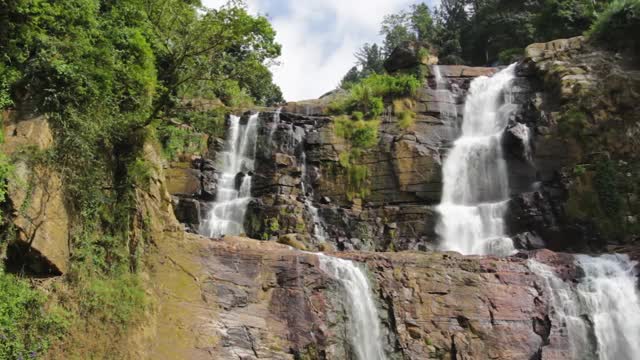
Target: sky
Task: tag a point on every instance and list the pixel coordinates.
(319, 38)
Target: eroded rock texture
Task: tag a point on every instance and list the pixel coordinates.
(39, 236)
(265, 300)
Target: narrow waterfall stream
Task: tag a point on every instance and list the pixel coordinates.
(226, 216)
(319, 232)
(364, 322)
(445, 98)
(476, 189)
(602, 312)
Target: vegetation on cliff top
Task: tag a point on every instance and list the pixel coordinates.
(615, 26)
(487, 32)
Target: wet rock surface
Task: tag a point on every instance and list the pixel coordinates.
(266, 300)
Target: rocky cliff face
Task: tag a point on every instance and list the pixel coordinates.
(576, 112)
(264, 300)
(39, 221)
(583, 122)
(241, 298)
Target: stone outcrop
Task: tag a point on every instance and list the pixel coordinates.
(241, 298)
(582, 113)
(37, 204)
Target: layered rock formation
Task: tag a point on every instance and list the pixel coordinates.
(249, 299)
(241, 298)
(583, 123)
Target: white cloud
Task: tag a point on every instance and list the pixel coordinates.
(319, 38)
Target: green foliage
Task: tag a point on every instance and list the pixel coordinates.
(617, 26)
(204, 52)
(510, 56)
(572, 123)
(606, 186)
(140, 172)
(369, 60)
(415, 25)
(566, 18)
(601, 193)
(367, 96)
(6, 168)
(355, 174)
(359, 133)
(477, 32)
(407, 119)
(26, 328)
(360, 136)
(392, 86)
(116, 300)
(178, 140)
(102, 71)
(274, 225)
(210, 122)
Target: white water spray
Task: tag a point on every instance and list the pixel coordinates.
(364, 322)
(444, 97)
(476, 189)
(234, 186)
(274, 124)
(604, 306)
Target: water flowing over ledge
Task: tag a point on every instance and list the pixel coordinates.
(226, 217)
(476, 188)
(364, 322)
(601, 312)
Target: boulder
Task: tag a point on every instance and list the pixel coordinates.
(528, 241)
(182, 179)
(36, 194)
(188, 211)
(516, 141)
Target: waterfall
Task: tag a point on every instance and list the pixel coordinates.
(274, 124)
(602, 312)
(445, 99)
(476, 189)
(364, 323)
(318, 224)
(226, 216)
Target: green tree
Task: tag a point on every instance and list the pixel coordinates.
(197, 45)
(415, 25)
(422, 23)
(396, 30)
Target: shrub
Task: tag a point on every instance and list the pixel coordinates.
(210, 122)
(358, 133)
(407, 119)
(615, 27)
(362, 99)
(367, 96)
(117, 300)
(509, 56)
(392, 86)
(356, 174)
(26, 328)
(178, 140)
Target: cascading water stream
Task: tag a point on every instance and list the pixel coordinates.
(226, 217)
(274, 124)
(604, 306)
(445, 98)
(318, 224)
(476, 189)
(364, 322)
